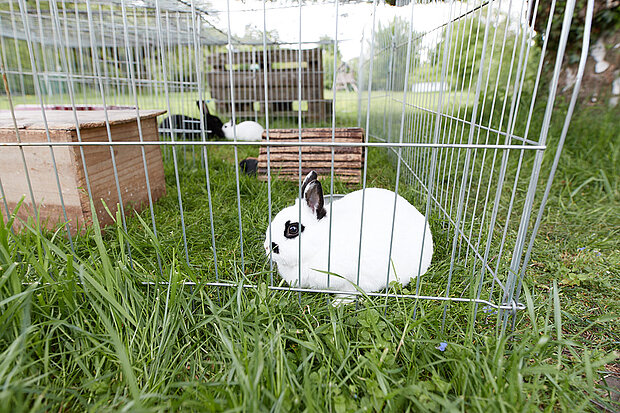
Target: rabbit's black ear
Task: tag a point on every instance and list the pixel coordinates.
(309, 178)
(313, 195)
(202, 105)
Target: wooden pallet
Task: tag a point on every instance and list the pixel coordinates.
(284, 160)
(71, 176)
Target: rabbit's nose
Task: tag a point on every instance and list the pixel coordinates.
(275, 248)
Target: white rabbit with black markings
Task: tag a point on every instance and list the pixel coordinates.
(412, 244)
(246, 131)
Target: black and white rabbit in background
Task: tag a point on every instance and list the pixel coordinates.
(412, 247)
(188, 128)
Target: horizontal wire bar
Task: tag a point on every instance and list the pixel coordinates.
(276, 144)
(512, 306)
(84, 78)
(516, 306)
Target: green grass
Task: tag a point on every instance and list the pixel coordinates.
(93, 337)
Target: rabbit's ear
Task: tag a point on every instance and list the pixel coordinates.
(202, 105)
(309, 178)
(313, 194)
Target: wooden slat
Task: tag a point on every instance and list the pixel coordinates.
(311, 164)
(322, 176)
(284, 161)
(323, 168)
(315, 152)
(275, 78)
(273, 55)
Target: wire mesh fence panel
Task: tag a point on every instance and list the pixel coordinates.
(148, 116)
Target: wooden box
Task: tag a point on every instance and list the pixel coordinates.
(71, 174)
(282, 79)
(348, 160)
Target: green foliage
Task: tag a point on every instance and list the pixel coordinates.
(390, 55)
(328, 61)
(469, 58)
(606, 19)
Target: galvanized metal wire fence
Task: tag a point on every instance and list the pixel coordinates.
(454, 105)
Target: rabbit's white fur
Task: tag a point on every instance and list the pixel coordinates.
(409, 227)
(246, 131)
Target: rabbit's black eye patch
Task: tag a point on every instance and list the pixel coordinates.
(293, 229)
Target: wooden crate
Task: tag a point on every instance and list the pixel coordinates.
(348, 160)
(280, 65)
(62, 128)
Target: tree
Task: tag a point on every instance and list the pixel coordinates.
(390, 54)
(598, 78)
(327, 45)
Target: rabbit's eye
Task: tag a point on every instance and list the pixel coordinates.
(292, 229)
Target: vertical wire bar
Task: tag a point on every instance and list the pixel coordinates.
(331, 171)
(174, 149)
(190, 75)
(3, 49)
(449, 153)
(45, 68)
(21, 149)
(461, 105)
(16, 44)
(505, 156)
(514, 107)
(558, 152)
(234, 125)
(67, 50)
(449, 194)
(484, 156)
(389, 98)
(461, 205)
(529, 201)
(512, 120)
(444, 68)
(6, 205)
(500, 178)
(115, 56)
(198, 60)
(492, 169)
(265, 66)
(140, 134)
(360, 82)
(389, 81)
(473, 127)
(57, 63)
(372, 47)
(138, 54)
(399, 158)
(299, 263)
(175, 75)
(35, 78)
(150, 73)
(430, 119)
(80, 49)
(97, 73)
(104, 52)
